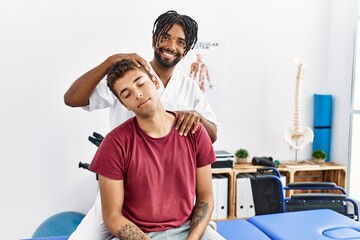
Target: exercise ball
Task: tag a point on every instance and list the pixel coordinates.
(60, 224)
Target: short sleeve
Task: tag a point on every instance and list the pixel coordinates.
(205, 154)
(109, 159)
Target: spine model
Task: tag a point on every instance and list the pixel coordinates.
(297, 137)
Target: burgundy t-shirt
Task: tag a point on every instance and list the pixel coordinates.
(159, 173)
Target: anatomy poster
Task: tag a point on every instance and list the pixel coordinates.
(205, 64)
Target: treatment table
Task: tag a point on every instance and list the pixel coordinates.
(317, 224)
(311, 224)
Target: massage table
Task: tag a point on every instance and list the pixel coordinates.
(317, 224)
(311, 224)
(239, 229)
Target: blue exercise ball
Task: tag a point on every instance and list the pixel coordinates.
(60, 224)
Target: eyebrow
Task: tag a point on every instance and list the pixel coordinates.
(134, 81)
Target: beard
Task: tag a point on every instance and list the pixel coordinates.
(166, 64)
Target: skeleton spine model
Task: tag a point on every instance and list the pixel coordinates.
(297, 137)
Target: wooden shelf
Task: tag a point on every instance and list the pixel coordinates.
(325, 172)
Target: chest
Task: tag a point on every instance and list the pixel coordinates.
(163, 159)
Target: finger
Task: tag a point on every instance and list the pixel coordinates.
(189, 125)
(140, 61)
(179, 121)
(145, 64)
(133, 57)
(196, 125)
(184, 125)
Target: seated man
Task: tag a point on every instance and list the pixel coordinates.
(149, 175)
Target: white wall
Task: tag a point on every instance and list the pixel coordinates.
(46, 45)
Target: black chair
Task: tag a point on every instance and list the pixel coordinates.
(267, 191)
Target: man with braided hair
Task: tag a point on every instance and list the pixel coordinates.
(173, 36)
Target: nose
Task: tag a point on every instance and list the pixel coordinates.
(139, 95)
(172, 45)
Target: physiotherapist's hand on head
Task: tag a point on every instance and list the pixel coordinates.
(133, 57)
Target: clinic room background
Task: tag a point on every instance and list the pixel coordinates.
(46, 45)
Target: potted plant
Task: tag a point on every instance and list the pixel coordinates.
(241, 155)
(319, 156)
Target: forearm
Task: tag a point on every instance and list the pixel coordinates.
(210, 127)
(124, 229)
(112, 199)
(80, 91)
(204, 203)
(200, 218)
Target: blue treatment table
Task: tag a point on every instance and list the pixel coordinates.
(239, 229)
(312, 224)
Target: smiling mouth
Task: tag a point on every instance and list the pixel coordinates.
(169, 54)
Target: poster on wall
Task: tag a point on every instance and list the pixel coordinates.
(206, 65)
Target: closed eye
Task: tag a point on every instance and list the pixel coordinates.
(125, 94)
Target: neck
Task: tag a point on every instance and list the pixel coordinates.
(157, 125)
(164, 73)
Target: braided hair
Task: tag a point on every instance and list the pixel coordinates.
(166, 20)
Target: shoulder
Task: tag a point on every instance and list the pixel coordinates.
(201, 131)
(199, 136)
(124, 130)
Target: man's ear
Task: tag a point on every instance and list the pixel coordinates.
(155, 81)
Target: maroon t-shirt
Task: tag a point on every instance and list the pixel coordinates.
(159, 173)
